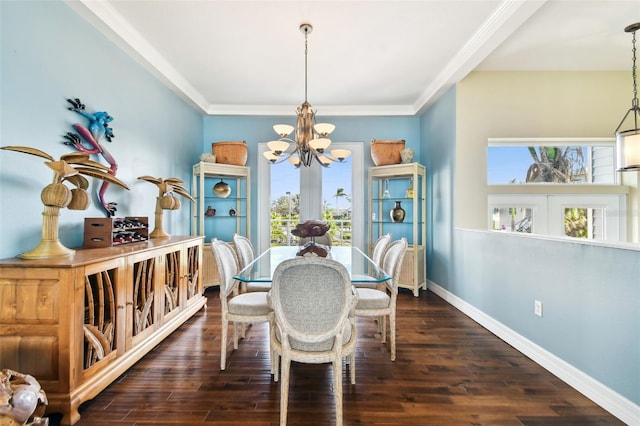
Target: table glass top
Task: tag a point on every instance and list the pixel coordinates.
(361, 268)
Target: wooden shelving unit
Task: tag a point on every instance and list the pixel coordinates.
(406, 184)
(232, 214)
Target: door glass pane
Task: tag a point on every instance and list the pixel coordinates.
(285, 203)
(326, 189)
(336, 205)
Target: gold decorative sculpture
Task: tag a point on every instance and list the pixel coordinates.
(166, 199)
(57, 195)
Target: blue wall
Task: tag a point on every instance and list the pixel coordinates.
(437, 128)
(49, 54)
(590, 296)
(257, 129)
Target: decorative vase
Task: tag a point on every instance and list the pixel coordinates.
(397, 213)
(222, 189)
(407, 155)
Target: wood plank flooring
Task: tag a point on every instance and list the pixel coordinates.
(449, 371)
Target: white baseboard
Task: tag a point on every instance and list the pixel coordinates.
(613, 402)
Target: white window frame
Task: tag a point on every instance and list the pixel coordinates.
(548, 211)
(548, 200)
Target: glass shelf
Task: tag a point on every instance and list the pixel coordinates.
(388, 186)
(221, 225)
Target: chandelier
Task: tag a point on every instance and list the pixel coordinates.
(628, 141)
(311, 141)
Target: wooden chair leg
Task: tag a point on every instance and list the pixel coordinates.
(284, 389)
(223, 344)
(235, 335)
(383, 327)
(392, 333)
(352, 367)
(337, 388)
(275, 365)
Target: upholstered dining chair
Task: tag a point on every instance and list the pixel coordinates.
(246, 255)
(379, 249)
(239, 309)
(382, 303)
(312, 300)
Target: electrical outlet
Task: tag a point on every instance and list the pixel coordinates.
(537, 308)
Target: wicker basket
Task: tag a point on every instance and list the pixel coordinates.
(230, 152)
(385, 152)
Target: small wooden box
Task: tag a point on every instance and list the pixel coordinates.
(109, 231)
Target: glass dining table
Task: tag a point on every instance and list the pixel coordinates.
(361, 268)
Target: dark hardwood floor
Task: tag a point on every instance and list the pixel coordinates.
(449, 371)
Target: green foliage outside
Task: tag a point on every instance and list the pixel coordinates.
(576, 223)
(287, 209)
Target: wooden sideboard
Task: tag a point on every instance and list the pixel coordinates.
(77, 323)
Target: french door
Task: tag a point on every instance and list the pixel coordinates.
(318, 188)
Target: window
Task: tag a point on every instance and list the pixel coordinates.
(560, 187)
(309, 200)
(550, 161)
(333, 194)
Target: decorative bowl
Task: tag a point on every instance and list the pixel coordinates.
(230, 152)
(386, 152)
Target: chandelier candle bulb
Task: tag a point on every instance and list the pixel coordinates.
(324, 129)
(340, 154)
(283, 130)
(295, 161)
(270, 156)
(278, 147)
(320, 144)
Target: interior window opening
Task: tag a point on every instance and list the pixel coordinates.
(584, 222)
(512, 219)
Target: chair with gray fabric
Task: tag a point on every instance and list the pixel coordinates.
(246, 255)
(312, 300)
(382, 303)
(239, 309)
(379, 249)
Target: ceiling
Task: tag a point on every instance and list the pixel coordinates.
(364, 57)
